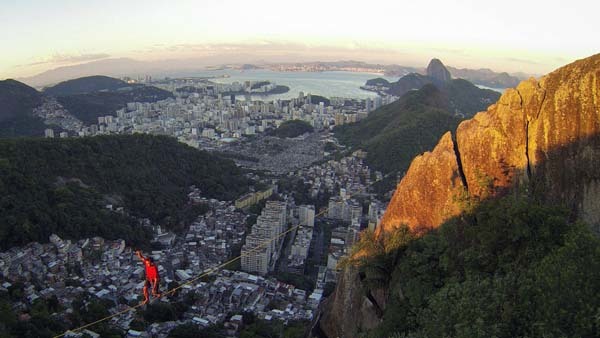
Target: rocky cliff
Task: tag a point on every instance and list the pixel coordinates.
(438, 72)
(541, 138)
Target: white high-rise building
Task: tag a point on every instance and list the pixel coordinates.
(306, 214)
(260, 251)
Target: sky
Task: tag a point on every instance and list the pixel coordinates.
(510, 35)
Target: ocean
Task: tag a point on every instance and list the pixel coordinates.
(328, 84)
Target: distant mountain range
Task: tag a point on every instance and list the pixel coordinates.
(85, 98)
(87, 85)
(437, 73)
(488, 78)
(108, 67)
(119, 67)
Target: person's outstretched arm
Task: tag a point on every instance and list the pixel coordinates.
(139, 254)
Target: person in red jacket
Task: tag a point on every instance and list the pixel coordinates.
(152, 277)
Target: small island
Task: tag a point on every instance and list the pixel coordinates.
(259, 88)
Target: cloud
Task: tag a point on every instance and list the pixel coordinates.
(529, 62)
(59, 59)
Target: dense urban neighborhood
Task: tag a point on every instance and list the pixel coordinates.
(285, 239)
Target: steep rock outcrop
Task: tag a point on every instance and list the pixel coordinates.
(438, 72)
(542, 138)
(349, 310)
(493, 145)
(433, 182)
(564, 139)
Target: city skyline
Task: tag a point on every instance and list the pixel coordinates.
(506, 36)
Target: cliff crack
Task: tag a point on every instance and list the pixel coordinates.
(376, 306)
(527, 150)
(528, 120)
(520, 98)
(537, 115)
(461, 172)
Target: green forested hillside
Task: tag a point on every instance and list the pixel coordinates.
(317, 99)
(17, 101)
(86, 84)
(509, 268)
(407, 83)
(89, 106)
(62, 185)
(293, 128)
(394, 134)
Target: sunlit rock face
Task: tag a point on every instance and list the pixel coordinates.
(432, 185)
(564, 139)
(541, 138)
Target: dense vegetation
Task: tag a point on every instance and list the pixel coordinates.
(259, 84)
(509, 268)
(86, 84)
(378, 82)
(17, 102)
(317, 99)
(62, 185)
(252, 327)
(17, 99)
(278, 89)
(293, 128)
(89, 106)
(24, 126)
(394, 134)
(42, 321)
(467, 99)
(407, 83)
(415, 81)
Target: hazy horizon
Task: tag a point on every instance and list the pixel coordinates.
(510, 36)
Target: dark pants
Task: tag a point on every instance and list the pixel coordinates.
(151, 283)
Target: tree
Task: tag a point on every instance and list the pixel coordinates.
(159, 312)
(511, 267)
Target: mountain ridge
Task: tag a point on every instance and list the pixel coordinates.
(393, 134)
(513, 140)
(16, 99)
(85, 85)
(17, 102)
(85, 98)
(118, 67)
(539, 143)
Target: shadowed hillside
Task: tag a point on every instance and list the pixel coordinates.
(393, 134)
(17, 101)
(494, 232)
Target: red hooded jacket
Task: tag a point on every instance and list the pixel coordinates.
(151, 269)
